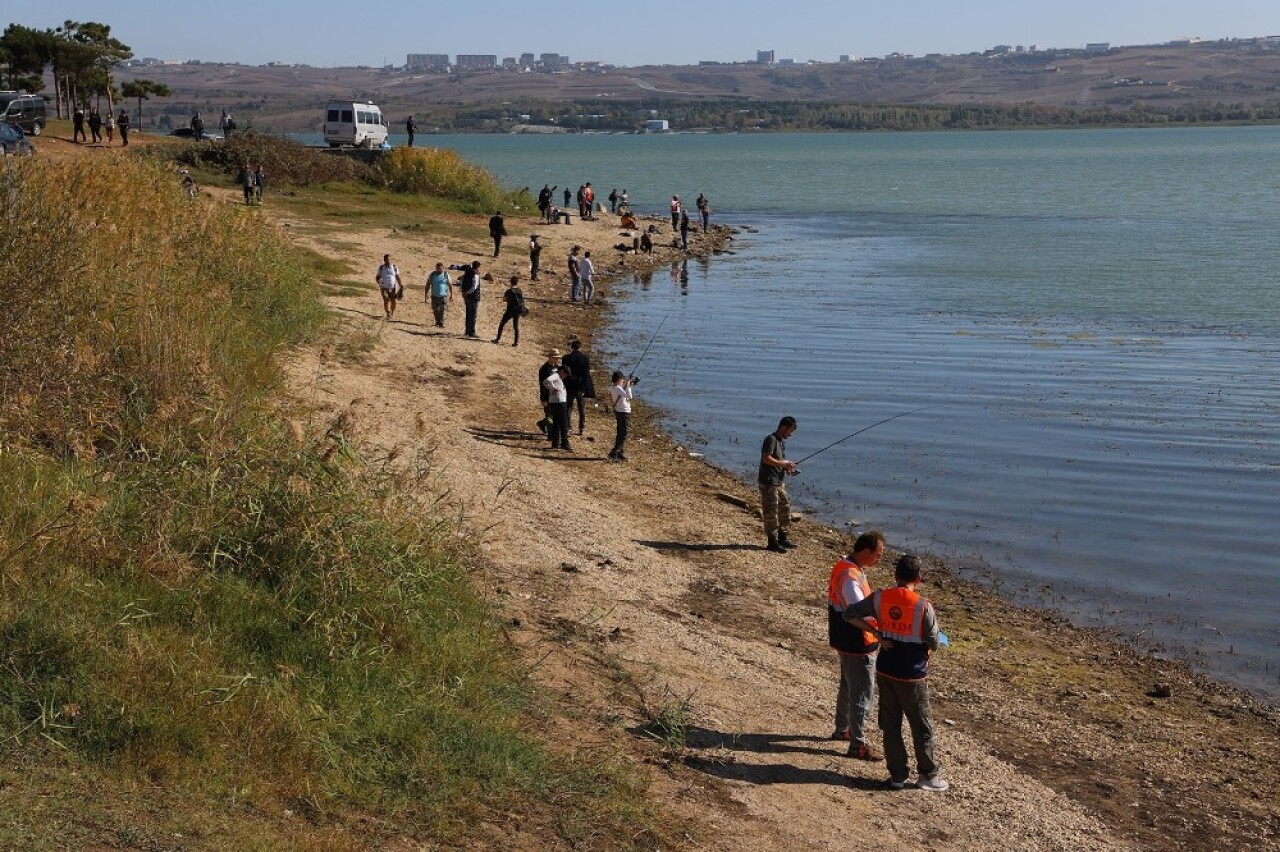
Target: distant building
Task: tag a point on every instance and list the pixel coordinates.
(528, 60)
(1097, 47)
(553, 60)
(477, 61)
(510, 62)
(764, 57)
(786, 62)
(1184, 42)
(1001, 49)
(416, 61)
(657, 125)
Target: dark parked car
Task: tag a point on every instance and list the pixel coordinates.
(26, 111)
(14, 141)
(188, 133)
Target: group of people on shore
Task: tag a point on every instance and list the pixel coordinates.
(102, 129)
(252, 182)
(565, 382)
(884, 639)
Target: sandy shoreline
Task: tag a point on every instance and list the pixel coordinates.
(635, 586)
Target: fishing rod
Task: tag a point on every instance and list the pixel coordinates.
(650, 346)
(860, 431)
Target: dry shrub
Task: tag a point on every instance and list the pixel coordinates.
(286, 162)
(443, 173)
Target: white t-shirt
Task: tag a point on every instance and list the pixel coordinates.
(387, 276)
(621, 398)
(586, 269)
(555, 388)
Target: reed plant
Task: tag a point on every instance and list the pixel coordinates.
(442, 172)
(199, 596)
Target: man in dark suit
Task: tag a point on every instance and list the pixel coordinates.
(579, 386)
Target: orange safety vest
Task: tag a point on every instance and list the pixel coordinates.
(841, 635)
(900, 612)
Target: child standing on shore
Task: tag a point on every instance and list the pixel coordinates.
(622, 396)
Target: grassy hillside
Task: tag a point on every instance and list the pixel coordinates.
(218, 622)
(1155, 77)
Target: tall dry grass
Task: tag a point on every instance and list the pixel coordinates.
(442, 173)
(198, 599)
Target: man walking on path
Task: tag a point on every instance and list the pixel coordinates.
(389, 283)
(497, 230)
(907, 628)
(411, 127)
(439, 293)
(621, 395)
(535, 253)
(857, 649)
(513, 298)
(470, 287)
(77, 126)
(123, 122)
(774, 469)
(95, 126)
(580, 387)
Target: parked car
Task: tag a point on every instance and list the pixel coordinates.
(26, 111)
(188, 133)
(14, 141)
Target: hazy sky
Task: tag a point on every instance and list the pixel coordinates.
(323, 32)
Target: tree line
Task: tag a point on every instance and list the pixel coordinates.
(82, 56)
(730, 115)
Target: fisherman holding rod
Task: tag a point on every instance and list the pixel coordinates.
(774, 470)
(775, 505)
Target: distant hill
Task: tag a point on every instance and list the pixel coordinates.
(290, 98)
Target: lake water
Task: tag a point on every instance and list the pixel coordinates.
(1091, 317)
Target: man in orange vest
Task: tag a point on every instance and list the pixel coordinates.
(907, 628)
(856, 648)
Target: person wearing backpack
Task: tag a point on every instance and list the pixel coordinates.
(514, 300)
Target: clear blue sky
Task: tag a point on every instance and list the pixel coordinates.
(324, 32)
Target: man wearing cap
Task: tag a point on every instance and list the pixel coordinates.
(557, 409)
(547, 368)
(907, 628)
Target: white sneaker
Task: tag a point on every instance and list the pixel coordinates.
(933, 783)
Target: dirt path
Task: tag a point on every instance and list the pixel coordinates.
(634, 591)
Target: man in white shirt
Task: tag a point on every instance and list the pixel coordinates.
(621, 395)
(389, 285)
(557, 409)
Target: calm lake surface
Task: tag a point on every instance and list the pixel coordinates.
(1091, 317)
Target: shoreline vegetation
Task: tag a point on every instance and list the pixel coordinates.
(282, 574)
